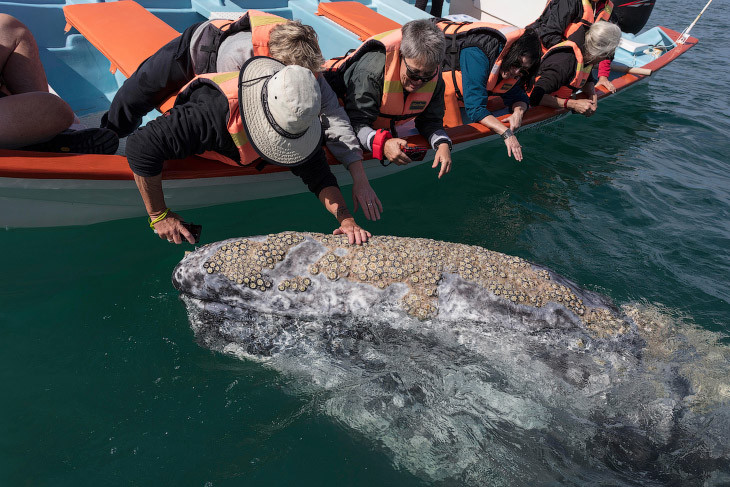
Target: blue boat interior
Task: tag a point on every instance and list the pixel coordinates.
(80, 74)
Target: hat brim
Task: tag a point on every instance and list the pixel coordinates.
(266, 141)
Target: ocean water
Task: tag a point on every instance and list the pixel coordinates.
(104, 383)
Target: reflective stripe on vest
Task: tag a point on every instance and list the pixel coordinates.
(589, 17)
(395, 108)
(585, 21)
(581, 72)
(227, 83)
(261, 25)
(258, 23)
(605, 14)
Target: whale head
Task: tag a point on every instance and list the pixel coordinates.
(467, 365)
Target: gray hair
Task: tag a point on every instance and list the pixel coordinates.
(423, 41)
(601, 41)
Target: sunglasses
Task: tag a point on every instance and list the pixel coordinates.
(415, 76)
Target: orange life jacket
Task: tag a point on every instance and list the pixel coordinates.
(589, 18)
(258, 23)
(457, 38)
(582, 72)
(396, 108)
(227, 83)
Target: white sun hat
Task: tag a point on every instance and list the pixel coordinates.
(280, 108)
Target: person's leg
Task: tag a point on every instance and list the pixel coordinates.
(30, 118)
(421, 4)
(20, 64)
(436, 7)
(157, 78)
(29, 114)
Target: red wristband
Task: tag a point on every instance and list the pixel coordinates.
(565, 103)
(379, 139)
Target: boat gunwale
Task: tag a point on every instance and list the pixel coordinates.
(43, 165)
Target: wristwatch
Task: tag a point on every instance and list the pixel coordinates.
(507, 134)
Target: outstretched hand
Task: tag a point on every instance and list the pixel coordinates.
(171, 228)
(355, 234)
(443, 157)
(515, 120)
(364, 196)
(603, 82)
(514, 148)
(584, 106)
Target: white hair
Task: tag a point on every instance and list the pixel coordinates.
(601, 41)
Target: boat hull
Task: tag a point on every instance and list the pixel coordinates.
(42, 189)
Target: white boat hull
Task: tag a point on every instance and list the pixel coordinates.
(30, 202)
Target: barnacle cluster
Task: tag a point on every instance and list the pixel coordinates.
(420, 264)
(244, 261)
(295, 284)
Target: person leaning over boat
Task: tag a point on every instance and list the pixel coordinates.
(483, 59)
(390, 79)
(219, 46)
(561, 19)
(31, 118)
(266, 111)
(566, 68)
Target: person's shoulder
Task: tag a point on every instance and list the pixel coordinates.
(560, 56)
(473, 54)
(371, 61)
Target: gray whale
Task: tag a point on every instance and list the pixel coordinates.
(470, 367)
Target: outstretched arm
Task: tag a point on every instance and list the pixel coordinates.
(363, 194)
(191, 128)
(331, 198)
(343, 144)
(170, 225)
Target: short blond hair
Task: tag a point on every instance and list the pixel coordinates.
(295, 43)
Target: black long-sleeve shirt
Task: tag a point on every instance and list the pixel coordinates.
(558, 15)
(198, 125)
(556, 71)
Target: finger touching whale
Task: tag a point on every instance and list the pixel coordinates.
(469, 365)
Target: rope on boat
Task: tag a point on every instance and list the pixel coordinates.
(685, 34)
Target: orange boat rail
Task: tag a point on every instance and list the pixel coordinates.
(43, 165)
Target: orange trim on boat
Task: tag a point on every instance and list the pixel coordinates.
(357, 18)
(125, 32)
(40, 165)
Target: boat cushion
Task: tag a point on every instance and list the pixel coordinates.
(357, 18)
(124, 32)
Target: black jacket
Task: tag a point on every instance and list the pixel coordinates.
(199, 125)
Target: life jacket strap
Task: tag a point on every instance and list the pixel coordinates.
(453, 51)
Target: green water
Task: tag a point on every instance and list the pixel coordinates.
(103, 383)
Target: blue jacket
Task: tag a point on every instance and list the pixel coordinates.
(475, 67)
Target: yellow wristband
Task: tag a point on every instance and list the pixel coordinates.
(158, 219)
